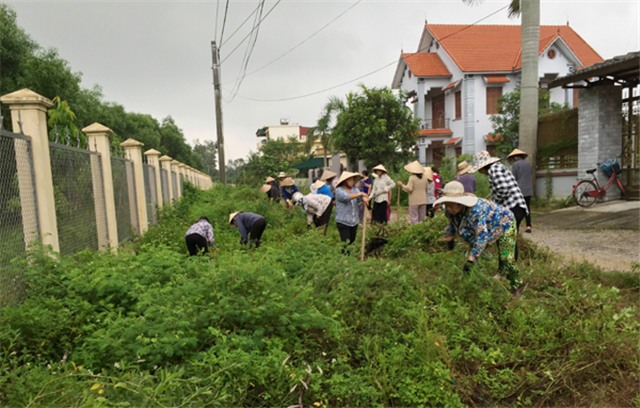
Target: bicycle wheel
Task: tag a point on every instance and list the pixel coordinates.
(585, 193)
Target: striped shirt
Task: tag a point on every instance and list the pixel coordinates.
(504, 187)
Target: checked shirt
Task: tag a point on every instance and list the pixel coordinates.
(504, 187)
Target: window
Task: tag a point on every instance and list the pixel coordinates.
(458, 97)
(493, 95)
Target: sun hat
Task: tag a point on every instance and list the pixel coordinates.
(414, 167)
(517, 152)
(327, 174)
(269, 179)
(287, 182)
(297, 197)
(317, 184)
(454, 193)
(428, 173)
(482, 159)
(380, 167)
(232, 216)
(282, 174)
(265, 188)
(463, 167)
(347, 175)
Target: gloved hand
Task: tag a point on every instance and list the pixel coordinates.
(451, 244)
(467, 267)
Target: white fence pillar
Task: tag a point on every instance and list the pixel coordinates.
(133, 152)
(175, 169)
(165, 162)
(29, 114)
(153, 157)
(98, 141)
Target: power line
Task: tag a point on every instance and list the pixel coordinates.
(247, 54)
(306, 39)
(370, 73)
(252, 30)
(224, 20)
(241, 24)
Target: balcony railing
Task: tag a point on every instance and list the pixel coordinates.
(434, 124)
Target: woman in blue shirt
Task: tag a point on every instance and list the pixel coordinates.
(481, 223)
(348, 198)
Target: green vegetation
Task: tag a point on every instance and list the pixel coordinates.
(295, 322)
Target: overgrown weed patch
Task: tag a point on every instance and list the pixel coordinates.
(297, 322)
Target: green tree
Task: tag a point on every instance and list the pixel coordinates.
(272, 157)
(206, 155)
(506, 123)
(376, 127)
(322, 130)
(62, 124)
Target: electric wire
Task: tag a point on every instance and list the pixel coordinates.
(370, 73)
(241, 25)
(250, 33)
(224, 20)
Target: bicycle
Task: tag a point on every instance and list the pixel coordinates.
(586, 192)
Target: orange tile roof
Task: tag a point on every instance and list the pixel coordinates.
(451, 85)
(426, 64)
(496, 79)
(489, 48)
(452, 141)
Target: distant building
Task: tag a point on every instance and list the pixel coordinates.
(455, 79)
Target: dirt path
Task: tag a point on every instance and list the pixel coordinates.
(607, 235)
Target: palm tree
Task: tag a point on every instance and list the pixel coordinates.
(322, 130)
(528, 127)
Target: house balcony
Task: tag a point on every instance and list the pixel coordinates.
(428, 124)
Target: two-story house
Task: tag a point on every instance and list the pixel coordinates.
(455, 79)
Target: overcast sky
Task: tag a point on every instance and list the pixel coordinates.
(155, 56)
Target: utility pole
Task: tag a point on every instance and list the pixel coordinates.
(218, 97)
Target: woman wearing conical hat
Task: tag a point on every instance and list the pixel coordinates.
(481, 223)
(467, 179)
(274, 189)
(348, 199)
(287, 189)
(417, 188)
(382, 185)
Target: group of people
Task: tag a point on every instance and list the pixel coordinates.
(478, 221)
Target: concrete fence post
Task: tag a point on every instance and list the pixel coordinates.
(153, 157)
(98, 141)
(133, 152)
(175, 169)
(165, 162)
(29, 114)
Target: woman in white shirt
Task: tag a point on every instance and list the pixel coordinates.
(382, 185)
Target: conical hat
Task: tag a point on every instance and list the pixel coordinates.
(265, 188)
(379, 167)
(428, 173)
(232, 216)
(414, 167)
(517, 152)
(317, 184)
(288, 182)
(347, 175)
(282, 174)
(269, 179)
(327, 174)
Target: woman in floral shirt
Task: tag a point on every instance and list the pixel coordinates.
(481, 223)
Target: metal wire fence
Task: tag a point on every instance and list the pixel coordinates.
(18, 212)
(73, 188)
(150, 193)
(125, 216)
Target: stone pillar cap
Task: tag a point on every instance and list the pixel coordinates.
(25, 96)
(131, 143)
(166, 158)
(96, 128)
(152, 152)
